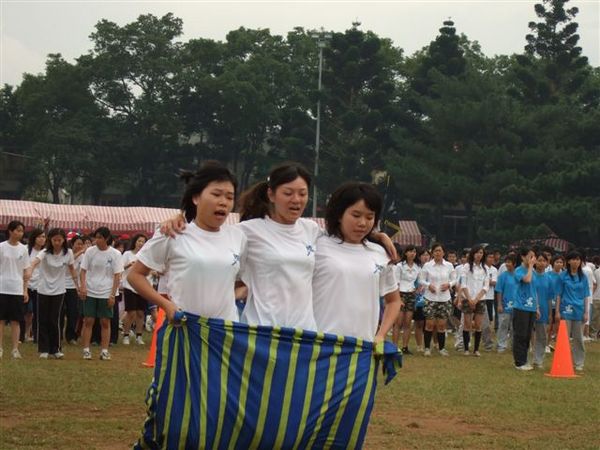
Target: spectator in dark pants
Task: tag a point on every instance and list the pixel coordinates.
(525, 310)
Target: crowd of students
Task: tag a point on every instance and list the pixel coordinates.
(70, 288)
(289, 272)
(520, 298)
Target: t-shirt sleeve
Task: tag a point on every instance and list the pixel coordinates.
(117, 263)
(243, 256)
(85, 260)
(41, 255)
(387, 281)
(500, 283)
(70, 258)
(586, 290)
(155, 252)
(520, 274)
(26, 260)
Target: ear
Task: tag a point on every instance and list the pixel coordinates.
(196, 199)
(271, 195)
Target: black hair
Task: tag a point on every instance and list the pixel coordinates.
(134, 240)
(399, 250)
(556, 258)
(344, 197)
(56, 232)
(420, 252)
(574, 255)
(523, 251)
(512, 258)
(471, 258)
(451, 251)
(439, 244)
(32, 237)
(74, 239)
(596, 260)
(407, 249)
(196, 182)
(105, 233)
(542, 255)
(87, 238)
(254, 203)
(14, 224)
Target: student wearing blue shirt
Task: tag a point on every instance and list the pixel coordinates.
(525, 309)
(571, 305)
(506, 292)
(544, 287)
(558, 265)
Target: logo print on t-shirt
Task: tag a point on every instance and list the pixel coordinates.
(309, 249)
(569, 309)
(236, 259)
(378, 268)
(529, 302)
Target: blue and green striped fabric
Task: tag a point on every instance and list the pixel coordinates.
(227, 385)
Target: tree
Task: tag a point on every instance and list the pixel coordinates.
(132, 70)
(59, 129)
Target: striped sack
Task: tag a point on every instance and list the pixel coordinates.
(227, 385)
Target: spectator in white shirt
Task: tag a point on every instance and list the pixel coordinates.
(474, 286)
(438, 276)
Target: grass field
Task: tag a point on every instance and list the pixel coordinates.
(441, 403)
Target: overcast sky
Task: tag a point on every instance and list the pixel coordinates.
(29, 30)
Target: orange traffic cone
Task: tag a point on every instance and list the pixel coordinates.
(562, 364)
(151, 358)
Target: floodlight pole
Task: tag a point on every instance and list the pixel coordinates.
(322, 39)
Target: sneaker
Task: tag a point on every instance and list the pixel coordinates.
(427, 352)
(579, 368)
(406, 351)
(126, 340)
(551, 347)
(59, 355)
(29, 339)
(501, 350)
(139, 341)
(420, 349)
(524, 367)
(44, 355)
(73, 342)
(16, 354)
(547, 350)
(444, 352)
(466, 353)
(476, 353)
(131, 334)
(149, 324)
(587, 339)
(87, 354)
(1, 352)
(104, 355)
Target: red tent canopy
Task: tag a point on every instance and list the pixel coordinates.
(86, 218)
(409, 233)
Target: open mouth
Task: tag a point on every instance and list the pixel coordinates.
(221, 214)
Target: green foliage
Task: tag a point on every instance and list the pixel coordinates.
(507, 147)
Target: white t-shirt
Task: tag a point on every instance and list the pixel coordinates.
(52, 271)
(596, 295)
(502, 269)
(433, 274)
(77, 266)
(492, 275)
(35, 275)
(163, 282)
(347, 283)
(406, 276)
(475, 281)
(14, 259)
(279, 271)
(101, 267)
(127, 258)
(590, 278)
(203, 267)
